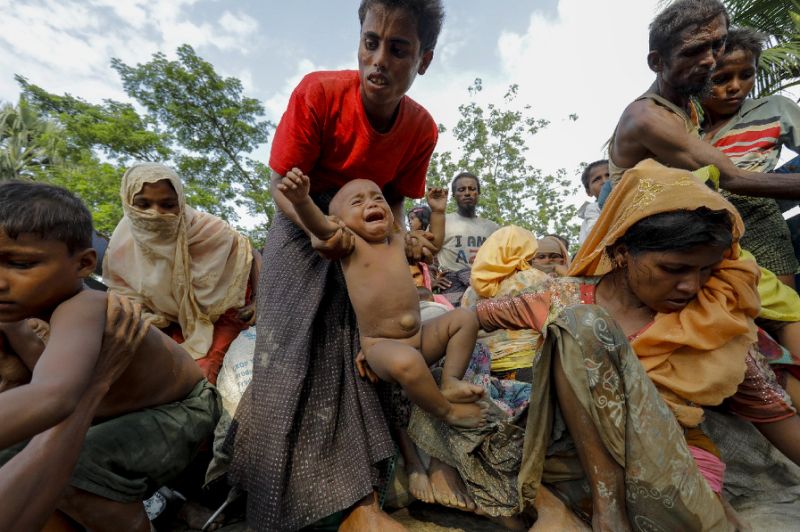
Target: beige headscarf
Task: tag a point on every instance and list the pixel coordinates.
(551, 244)
(187, 268)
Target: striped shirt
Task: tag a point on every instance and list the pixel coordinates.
(753, 138)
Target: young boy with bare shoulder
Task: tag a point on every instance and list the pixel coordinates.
(154, 417)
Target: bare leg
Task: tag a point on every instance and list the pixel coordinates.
(104, 515)
(553, 514)
(394, 361)
(787, 279)
(418, 482)
(784, 435)
(789, 337)
(452, 335)
(448, 488)
(605, 475)
(793, 389)
(733, 518)
(367, 516)
(58, 522)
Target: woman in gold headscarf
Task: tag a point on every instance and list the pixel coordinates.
(192, 272)
(657, 324)
(502, 268)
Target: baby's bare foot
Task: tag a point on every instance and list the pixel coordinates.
(466, 415)
(419, 485)
(448, 488)
(458, 391)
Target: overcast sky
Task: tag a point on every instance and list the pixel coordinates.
(568, 56)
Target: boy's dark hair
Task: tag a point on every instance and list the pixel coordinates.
(666, 28)
(679, 230)
(50, 212)
(462, 175)
(428, 14)
(746, 39)
(588, 169)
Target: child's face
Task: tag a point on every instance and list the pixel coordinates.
(598, 175)
(414, 223)
(36, 275)
(731, 82)
(543, 258)
(363, 209)
(159, 197)
(389, 57)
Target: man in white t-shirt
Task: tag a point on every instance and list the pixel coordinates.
(464, 233)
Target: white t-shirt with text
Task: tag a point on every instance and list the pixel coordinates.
(462, 238)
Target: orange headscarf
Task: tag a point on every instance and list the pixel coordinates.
(695, 356)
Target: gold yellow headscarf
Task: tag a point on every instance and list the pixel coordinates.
(508, 250)
(695, 356)
(186, 268)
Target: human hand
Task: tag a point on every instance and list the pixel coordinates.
(437, 199)
(247, 313)
(13, 372)
(364, 371)
(125, 329)
(440, 282)
(295, 185)
(419, 247)
(339, 245)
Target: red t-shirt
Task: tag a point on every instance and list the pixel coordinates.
(325, 132)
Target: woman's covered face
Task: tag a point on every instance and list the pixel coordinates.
(159, 197)
(667, 281)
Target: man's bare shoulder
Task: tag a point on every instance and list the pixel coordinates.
(643, 115)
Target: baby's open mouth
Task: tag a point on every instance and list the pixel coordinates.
(375, 216)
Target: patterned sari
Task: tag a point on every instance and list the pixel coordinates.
(635, 390)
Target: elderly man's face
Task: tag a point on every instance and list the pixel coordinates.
(689, 65)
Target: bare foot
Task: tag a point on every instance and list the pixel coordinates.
(458, 391)
(553, 514)
(196, 516)
(366, 516)
(466, 415)
(419, 485)
(448, 488)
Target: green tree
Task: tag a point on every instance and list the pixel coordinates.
(194, 120)
(493, 147)
(29, 143)
(212, 124)
(779, 67)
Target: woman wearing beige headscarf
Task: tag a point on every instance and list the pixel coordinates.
(190, 270)
(551, 256)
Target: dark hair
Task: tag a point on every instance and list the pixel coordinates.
(423, 213)
(746, 39)
(462, 175)
(587, 171)
(50, 212)
(679, 230)
(428, 15)
(666, 28)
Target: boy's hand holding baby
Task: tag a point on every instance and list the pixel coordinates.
(339, 243)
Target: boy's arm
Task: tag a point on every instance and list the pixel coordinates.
(663, 134)
(295, 187)
(61, 374)
(32, 483)
(417, 243)
(437, 201)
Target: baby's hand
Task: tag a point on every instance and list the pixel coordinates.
(295, 186)
(437, 199)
